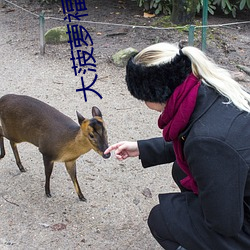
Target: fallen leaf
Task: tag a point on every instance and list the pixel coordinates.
(148, 15)
(147, 193)
(58, 227)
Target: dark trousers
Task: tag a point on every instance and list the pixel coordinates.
(156, 221)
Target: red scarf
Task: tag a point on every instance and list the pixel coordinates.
(174, 119)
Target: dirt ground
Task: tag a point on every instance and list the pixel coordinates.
(119, 195)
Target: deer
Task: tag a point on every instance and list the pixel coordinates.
(58, 137)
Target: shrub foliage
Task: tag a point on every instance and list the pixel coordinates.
(227, 6)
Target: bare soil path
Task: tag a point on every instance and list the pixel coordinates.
(120, 194)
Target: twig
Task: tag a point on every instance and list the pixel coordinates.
(13, 203)
(244, 68)
(117, 34)
(57, 82)
(103, 77)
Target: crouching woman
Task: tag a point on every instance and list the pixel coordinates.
(205, 120)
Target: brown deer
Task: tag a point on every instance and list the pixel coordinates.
(59, 139)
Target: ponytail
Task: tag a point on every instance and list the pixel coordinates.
(218, 78)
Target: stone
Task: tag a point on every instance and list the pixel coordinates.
(239, 76)
(121, 58)
(56, 35)
(2, 3)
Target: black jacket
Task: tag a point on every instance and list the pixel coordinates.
(216, 145)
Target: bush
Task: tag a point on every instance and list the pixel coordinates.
(165, 6)
(157, 6)
(230, 7)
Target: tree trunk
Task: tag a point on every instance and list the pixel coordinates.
(183, 11)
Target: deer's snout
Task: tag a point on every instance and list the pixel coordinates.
(106, 156)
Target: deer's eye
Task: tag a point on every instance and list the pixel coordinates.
(91, 136)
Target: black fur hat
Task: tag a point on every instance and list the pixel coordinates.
(156, 83)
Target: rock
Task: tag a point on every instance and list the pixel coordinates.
(45, 225)
(2, 3)
(57, 35)
(136, 201)
(120, 58)
(239, 76)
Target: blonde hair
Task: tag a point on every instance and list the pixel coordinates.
(202, 67)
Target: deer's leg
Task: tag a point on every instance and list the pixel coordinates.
(18, 161)
(48, 165)
(1, 144)
(71, 168)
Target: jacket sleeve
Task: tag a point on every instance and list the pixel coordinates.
(155, 151)
(220, 173)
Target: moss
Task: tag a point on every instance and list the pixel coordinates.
(163, 22)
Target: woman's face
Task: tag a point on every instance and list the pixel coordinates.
(156, 106)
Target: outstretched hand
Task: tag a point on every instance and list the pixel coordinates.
(124, 150)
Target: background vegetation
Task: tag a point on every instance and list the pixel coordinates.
(230, 7)
(226, 6)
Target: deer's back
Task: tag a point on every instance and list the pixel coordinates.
(24, 118)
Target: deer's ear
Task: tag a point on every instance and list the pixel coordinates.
(80, 118)
(96, 112)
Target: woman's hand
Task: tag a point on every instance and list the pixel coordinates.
(124, 150)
